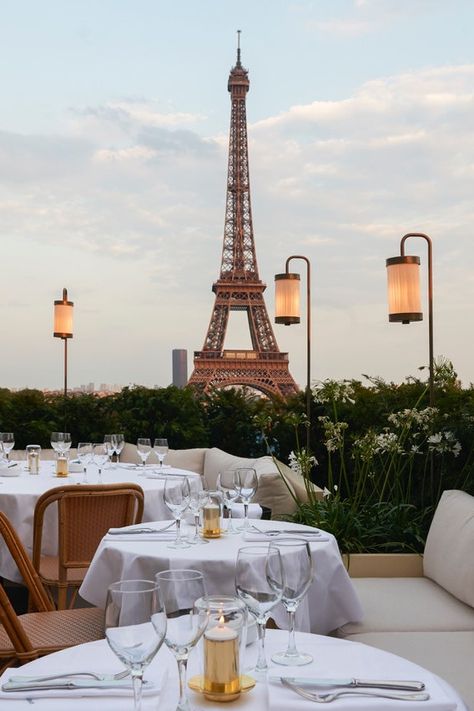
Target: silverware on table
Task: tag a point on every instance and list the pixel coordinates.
(43, 678)
(143, 529)
(67, 684)
(326, 698)
(353, 683)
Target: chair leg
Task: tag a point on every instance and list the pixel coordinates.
(62, 597)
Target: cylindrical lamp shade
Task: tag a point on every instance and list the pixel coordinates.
(63, 317)
(287, 298)
(403, 281)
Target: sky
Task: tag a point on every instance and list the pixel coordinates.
(114, 128)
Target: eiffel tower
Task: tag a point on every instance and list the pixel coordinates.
(239, 287)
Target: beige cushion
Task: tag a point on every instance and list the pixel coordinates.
(216, 461)
(272, 491)
(449, 549)
(448, 654)
(191, 459)
(407, 604)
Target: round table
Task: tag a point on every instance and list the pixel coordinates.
(332, 658)
(19, 494)
(330, 603)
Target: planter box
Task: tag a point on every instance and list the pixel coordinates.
(384, 565)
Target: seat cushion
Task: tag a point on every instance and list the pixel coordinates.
(449, 549)
(407, 604)
(191, 459)
(216, 461)
(448, 654)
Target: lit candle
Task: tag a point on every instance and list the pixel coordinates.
(211, 521)
(61, 466)
(221, 663)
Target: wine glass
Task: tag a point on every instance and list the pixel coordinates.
(143, 449)
(176, 496)
(197, 499)
(110, 446)
(246, 484)
(160, 446)
(8, 442)
(256, 566)
(84, 454)
(297, 576)
(56, 442)
(119, 442)
(100, 456)
(179, 591)
(135, 627)
(225, 483)
(64, 443)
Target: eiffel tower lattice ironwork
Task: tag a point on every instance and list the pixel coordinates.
(239, 287)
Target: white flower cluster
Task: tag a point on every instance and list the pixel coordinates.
(333, 391)
(444, 442)
(333, 432)
(409, 417)
(301, 462)
(374, 443)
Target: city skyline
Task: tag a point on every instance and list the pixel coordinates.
(114, 139)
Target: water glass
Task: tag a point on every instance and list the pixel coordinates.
(176, 496)
(84, 454)
(160, 446)
(100, 457)
(198, 497)
(297, 568)
(179, 590)
(135, 626)
(110, 445)
(119, 444)
(8, 442)
(143, 449)
(226, 485)
(246, 483)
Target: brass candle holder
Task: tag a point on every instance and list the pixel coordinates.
(62, 466)
(211, 520)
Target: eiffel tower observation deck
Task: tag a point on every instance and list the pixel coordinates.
(239, 287)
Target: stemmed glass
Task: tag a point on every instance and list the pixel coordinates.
(298, 576)
(143, 449)
(100, 456)
(8, 442)
(84, 454)
(110, 446)
(259, 583)
(225, 483)
(160, 446)
(186, 622)
(65, 443)
(56, 438)
(176, 496)
(119, 444)
(197, 499)
(135, 627)
(246, 484)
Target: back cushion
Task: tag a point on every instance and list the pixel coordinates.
(216, 461)
(449, 550)
(191, 459)
(272, 491)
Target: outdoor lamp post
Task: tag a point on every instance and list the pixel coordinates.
(404, 301)
(287, 311)
(63, 327)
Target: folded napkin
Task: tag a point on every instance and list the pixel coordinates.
(281, 698)
(255, 511)
(76, 467)
(273, 535)
(155, 531)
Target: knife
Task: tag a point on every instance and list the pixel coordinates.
(354, 683)
(69, 684)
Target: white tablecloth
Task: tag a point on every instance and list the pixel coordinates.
(19, 494)
(331, 601)
(332, 658)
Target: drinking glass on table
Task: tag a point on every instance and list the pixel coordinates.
(8, 442)
(198, 497)
(84, 454)
(297, 577)
(246, 484)
(119, 443)
(160, 446)
(135, 626)
(110, 446)
(143, 449)
(254, 567)
(176, 496)
(100, 457)
(179, 591)
(64, 443)
(225, 483)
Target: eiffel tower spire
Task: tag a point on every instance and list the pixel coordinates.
(239, 287)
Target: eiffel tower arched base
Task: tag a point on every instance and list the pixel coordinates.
(266, 372)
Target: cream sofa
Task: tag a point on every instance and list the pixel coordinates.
(428, 619)
(272, 492)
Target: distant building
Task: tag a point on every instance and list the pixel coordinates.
(180, 367)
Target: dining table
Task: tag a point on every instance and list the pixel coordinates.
(20, 490)
(333, 659)
(331, 600)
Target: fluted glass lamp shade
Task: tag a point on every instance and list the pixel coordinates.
(63, 317)
(287, 298)
(403, 281)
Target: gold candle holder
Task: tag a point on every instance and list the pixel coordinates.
(61, 466)
(221, 663)
(211, 521)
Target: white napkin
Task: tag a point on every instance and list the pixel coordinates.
(76, 467)
(281, 698)
(126, 532)
(310, 537)
(255, 511)
(10, 471)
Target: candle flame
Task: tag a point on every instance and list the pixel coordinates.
(221, 620)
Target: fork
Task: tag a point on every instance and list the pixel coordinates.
(52, 677)
(286, 532)
(142, 529)
(332, 696)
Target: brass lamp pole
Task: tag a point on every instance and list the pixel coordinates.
(404, 301)
(287, 311)
(63, 310)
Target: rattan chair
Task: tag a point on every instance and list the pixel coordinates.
(85, 513)
(34, 634)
